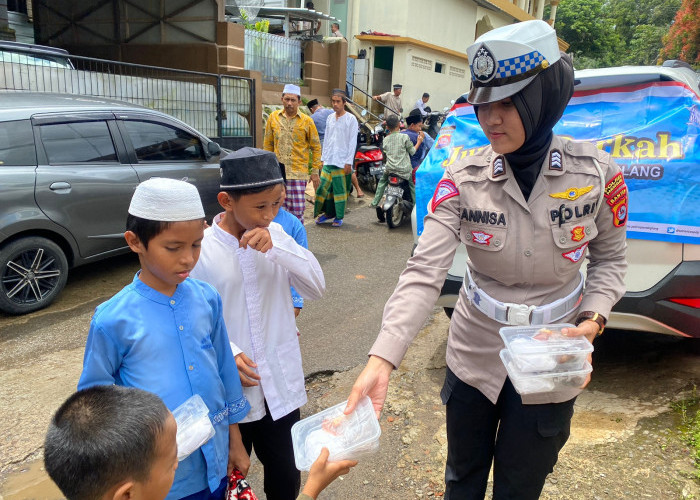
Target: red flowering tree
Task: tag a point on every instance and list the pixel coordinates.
(683, 39)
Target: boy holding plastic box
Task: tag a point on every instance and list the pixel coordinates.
(164, 333)
(85, 461)
(252, 262)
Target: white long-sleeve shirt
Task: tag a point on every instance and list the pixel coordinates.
(340, 140)
(257, 310)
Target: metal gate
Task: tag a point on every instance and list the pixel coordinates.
(219, 106)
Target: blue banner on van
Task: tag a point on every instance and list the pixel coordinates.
(651, 130)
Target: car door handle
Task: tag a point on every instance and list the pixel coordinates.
(59, 186)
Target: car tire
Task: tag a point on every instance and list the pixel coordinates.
(33, 271)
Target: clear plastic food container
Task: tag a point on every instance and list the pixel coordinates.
(347, 437)
(544, 348)
(546, 381)
(194, 427)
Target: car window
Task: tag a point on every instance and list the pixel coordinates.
(17, 143)
(35, 59)
(158, 142)
(78, 142)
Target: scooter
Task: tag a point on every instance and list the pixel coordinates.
(398, 202)
(433, 121)
(369, 159)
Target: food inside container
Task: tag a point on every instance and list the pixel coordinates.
(544, 348)
(347, 437)
(544, 381)
(194, 427)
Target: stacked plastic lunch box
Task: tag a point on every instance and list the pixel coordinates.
(541, 359)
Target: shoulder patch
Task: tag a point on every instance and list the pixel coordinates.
(613, 184)
(555, 160)
(499, 167)
(445, 190)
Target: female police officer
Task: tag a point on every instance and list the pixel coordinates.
(528, 209)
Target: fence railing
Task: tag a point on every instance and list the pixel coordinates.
(218, 106)
(277, 57)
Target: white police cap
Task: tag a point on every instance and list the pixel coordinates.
(505, 60)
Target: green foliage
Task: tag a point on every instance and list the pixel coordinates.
(689, 411)
(615, 32)
(263, 26)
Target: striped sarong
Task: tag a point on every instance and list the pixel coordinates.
(332, 193)
(295, 202)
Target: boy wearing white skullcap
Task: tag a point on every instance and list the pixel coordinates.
(164, 333)
(252, 262)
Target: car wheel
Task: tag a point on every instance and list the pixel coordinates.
(33, 271)
(394, 216)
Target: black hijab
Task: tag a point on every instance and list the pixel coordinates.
(540, 106)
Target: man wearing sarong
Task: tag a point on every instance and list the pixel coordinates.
(337, 157)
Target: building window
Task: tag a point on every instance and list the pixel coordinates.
(439, 67)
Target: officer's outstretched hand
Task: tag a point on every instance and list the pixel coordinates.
(589, 329)
(372, 382)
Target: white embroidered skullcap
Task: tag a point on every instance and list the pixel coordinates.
(166, 200)
(292, 89)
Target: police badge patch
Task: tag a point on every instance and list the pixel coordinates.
(578, 233)
(484, 65)
(445, 190)
(481, 238)
(576, 254)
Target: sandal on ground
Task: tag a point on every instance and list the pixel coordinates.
(337, 222)
(322, 218)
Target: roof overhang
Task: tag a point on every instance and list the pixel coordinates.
(405, 40)
(291, 13)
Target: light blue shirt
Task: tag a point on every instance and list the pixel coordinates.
(294, 228)
(174, 347)
(319, 118)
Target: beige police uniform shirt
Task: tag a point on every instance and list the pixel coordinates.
(393, 102)
(526, 252)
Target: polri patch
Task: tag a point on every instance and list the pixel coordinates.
(613, 184)
(555, 162)
(481, 238)
(616, 197)
(499, 167)
(576, 254)
(578, 233)
(620, 213)
(445, 190)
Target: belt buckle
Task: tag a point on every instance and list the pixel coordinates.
(518, 314)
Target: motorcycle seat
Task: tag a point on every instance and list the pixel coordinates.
(366, 148)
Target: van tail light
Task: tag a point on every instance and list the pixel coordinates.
(695, 303)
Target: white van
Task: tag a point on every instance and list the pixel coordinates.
(663, 278)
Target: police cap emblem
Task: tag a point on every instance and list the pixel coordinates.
(484, 65)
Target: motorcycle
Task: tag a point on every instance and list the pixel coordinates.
(398, 202)
(433, 121)
(369, 159)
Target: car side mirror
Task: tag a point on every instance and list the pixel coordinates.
(213, 148)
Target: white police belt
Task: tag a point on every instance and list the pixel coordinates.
(512, 314)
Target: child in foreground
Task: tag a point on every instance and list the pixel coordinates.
(164, 333)
(83, 458)
(252, 262)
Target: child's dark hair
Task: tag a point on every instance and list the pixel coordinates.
(145, 229)
(102, 436)
(392, 122)
(237, 194)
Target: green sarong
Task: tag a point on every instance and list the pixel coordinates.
(332, 193)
